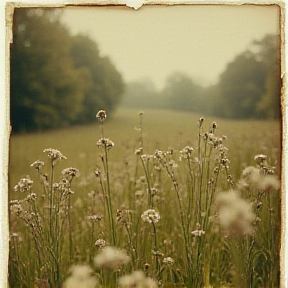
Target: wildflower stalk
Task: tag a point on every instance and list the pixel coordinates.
(106, 143)
(109, 204)
(146, 170)
(176, 188)
(155, 248)
(200, 162)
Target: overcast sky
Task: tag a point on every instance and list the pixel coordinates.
(154, 41)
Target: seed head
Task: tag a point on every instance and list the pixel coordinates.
(105, 142)
(54, 154)
(150, 216)
(73, 172)
(101, 243)
(136, 279)
(81, 276)
(23, 185)
(101, 115)
(200, 121)
(168, 260)
(111, 257)
(37, 164)
(235, 214)
(260, 158)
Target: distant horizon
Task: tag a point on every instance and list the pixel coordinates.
(196, 40)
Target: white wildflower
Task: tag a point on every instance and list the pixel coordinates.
(54, 154)
(198, 233)
(24, 185)
(101, 243)
(168, 260)
(81, 276)
(253, 176)
(105, 142)
(73, 172)
(260, 158)
(150, 216)
(111, 257)
(235, 214)
(136, 279)
(37, 164)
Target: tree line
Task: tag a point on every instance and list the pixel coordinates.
(249, 87)
(57, 79)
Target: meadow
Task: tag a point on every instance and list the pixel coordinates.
(154, 199)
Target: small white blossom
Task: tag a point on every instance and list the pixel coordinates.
(168, 260)
(54, 154)
(37, 164)
(73, 172)
(198, 232)
(24, 185)
(150, 216)
(136, 279)
(81, 276)
(111, 257)
(235, 214)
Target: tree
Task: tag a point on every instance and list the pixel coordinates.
(182, 93)
(103, 83)
(250, 85)
(56, 79)
(46, 89)
(241, 87)
(142, 94)
(269, 54)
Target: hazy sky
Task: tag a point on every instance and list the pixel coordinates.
(154, 41)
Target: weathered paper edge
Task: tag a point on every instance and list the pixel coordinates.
(6, 13)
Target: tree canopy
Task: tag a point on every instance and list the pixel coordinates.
(249, 87)
(56, 79)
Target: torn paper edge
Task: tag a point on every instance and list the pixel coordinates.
(6, 13)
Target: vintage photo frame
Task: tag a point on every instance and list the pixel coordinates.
(5, 121)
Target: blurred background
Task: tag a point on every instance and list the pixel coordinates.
(218, 60)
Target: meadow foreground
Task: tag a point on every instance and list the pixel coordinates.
(153, 199)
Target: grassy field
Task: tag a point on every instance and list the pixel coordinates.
(165, 207)
(162, 129)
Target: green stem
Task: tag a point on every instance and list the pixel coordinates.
(110, 210)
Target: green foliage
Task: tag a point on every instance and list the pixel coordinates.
(45, 86)
(241, 87)
(250, 87)
(103, 83)
(56, 79)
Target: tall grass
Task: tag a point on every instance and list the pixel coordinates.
(171, 196)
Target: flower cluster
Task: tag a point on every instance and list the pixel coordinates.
(136, 279)
(150, 216)
(111, 257)
(186, 152)
(260, 158)
(37, 164)
(95, 217)
(105, 142)
(235, 214)
(80, 276)
(54, 154)
(168, 261)
(198, 232)
(252, 176)
(101, 243)
(73, 172)
(101, 115)
(24, 185)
